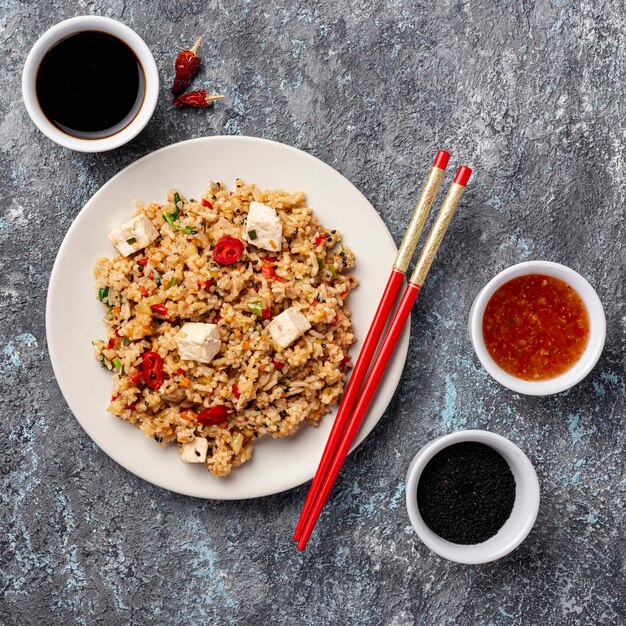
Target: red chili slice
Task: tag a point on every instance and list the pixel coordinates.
(228, 250)
(266, 313)
(268, 271)
(205, 284)
(152, 369)
(136, 377)
(278, 365)
(206, 203)
(214, 415)
(319, 239)
(160, 309)
(143, 261)
(236, 392)
(111, 343)
(344, 362)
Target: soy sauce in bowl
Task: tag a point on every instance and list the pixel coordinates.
(90, 85)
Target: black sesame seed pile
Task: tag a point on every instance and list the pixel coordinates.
(466, 493)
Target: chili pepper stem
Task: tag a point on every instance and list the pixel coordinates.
(214, 97)
(195, 46)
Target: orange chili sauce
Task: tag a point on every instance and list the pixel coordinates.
(535, 327)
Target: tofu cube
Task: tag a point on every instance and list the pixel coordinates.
(287, 327)
(263, 227)
(194, 451)
(198, 342)
(133, 235)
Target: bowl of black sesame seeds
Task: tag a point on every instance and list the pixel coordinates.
(472, 496)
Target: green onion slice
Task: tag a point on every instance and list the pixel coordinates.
(103, 292)
(171, 218)
(256, 308)
(117, 362)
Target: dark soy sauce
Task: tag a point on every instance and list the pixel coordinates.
(90, 85)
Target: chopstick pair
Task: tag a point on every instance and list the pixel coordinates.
(354, 405)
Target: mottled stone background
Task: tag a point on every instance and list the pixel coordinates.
(529, 93)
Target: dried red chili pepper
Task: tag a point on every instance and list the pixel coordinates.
(186, 65)
(152, 366)
(200, 99)
(266, 313)
(278, 365)
(214, 415)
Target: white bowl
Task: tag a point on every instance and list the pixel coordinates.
(588, 359)
(514, 530)
(52, 37)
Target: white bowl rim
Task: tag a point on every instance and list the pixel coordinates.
(523, 516)
(597, 329)
(62, 30)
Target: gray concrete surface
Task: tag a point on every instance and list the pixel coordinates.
(531, 94)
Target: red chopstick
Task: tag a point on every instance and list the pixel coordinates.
(401, 265)
(389, 343)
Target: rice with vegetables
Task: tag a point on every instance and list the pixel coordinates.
(226, 320)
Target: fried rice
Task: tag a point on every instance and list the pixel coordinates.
(265, 389)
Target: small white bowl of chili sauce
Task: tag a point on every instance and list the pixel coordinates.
(538, 328)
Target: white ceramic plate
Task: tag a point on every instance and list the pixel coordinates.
(73, 315)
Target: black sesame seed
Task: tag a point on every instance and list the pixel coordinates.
(255, 262)
(333, 232)
(466, 493)
(323, 345)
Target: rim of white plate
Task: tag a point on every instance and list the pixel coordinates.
(285, 482)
